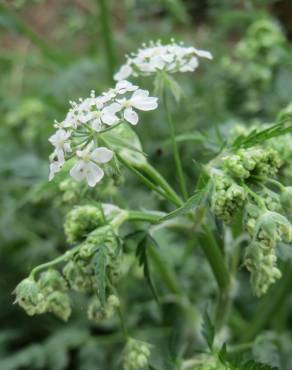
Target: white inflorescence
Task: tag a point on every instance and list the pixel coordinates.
(75, 135)
(156, 57)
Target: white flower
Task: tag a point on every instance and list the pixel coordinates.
(55, 167)
(86, 168)
(125, 86)
(87, 120)
(124, 72)
(140, 100)
(60, 141)
(156, 57)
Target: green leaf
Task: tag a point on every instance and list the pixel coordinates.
(256, 137)
(100, 272)
(208, 330)
(142, 255)
(195, 201)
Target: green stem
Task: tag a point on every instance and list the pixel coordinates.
(151, 217)
(107, 34)
(177, 159)
(221, 273)
(159, 179)
(269, 305)
(145, 181)
(54, 262)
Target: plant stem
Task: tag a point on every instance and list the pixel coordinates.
(107, 34)
(54, 262)
(147, 182)
(177, 159)
(159, 179)
(269, 305)
(218, 266)
(144, 216)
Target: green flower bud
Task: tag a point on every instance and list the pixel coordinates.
(59, 304)
(52, 280)
(81, 221)
(70, 190)
(252, 161)
(97, 313)
(80, 275)
(286, 199)
(30, 297)
(227, 198)
(136, 355)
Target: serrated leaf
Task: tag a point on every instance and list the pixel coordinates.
(208, 330)
(256, 137)
(100, 273)
(142, 255)
(196, 200)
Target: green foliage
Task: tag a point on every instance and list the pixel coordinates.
(143, 274)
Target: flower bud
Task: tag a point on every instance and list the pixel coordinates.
(136, 355)
(80, 276)
(52, 280)
(81, 221)
(30, 297)
(58, 303)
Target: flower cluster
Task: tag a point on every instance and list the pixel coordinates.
(156, 57)
(91, 227)
(266, 229)
(227, 197)
(80, 221)
(241, 183)
(136, 354)
(97, 313)
(252, 161)
(78, 136)
(48, 294)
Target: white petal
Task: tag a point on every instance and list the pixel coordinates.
(96, 124)
(203, 53)
(140, 94)
(124, 72)
(148, 103)
(94, 174)
(54, 168)
(109, 118)
(113, 108)
(102, 155)
(131, 116)
(78, 171)
(124, 86)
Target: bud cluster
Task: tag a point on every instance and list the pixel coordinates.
(252, 161)
(48, 294)
(136, 355)
(267, 229)
(81, 221)
(84, 225)
(97, 313)
(227, 197)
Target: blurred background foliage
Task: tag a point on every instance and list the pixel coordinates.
(53, 51)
